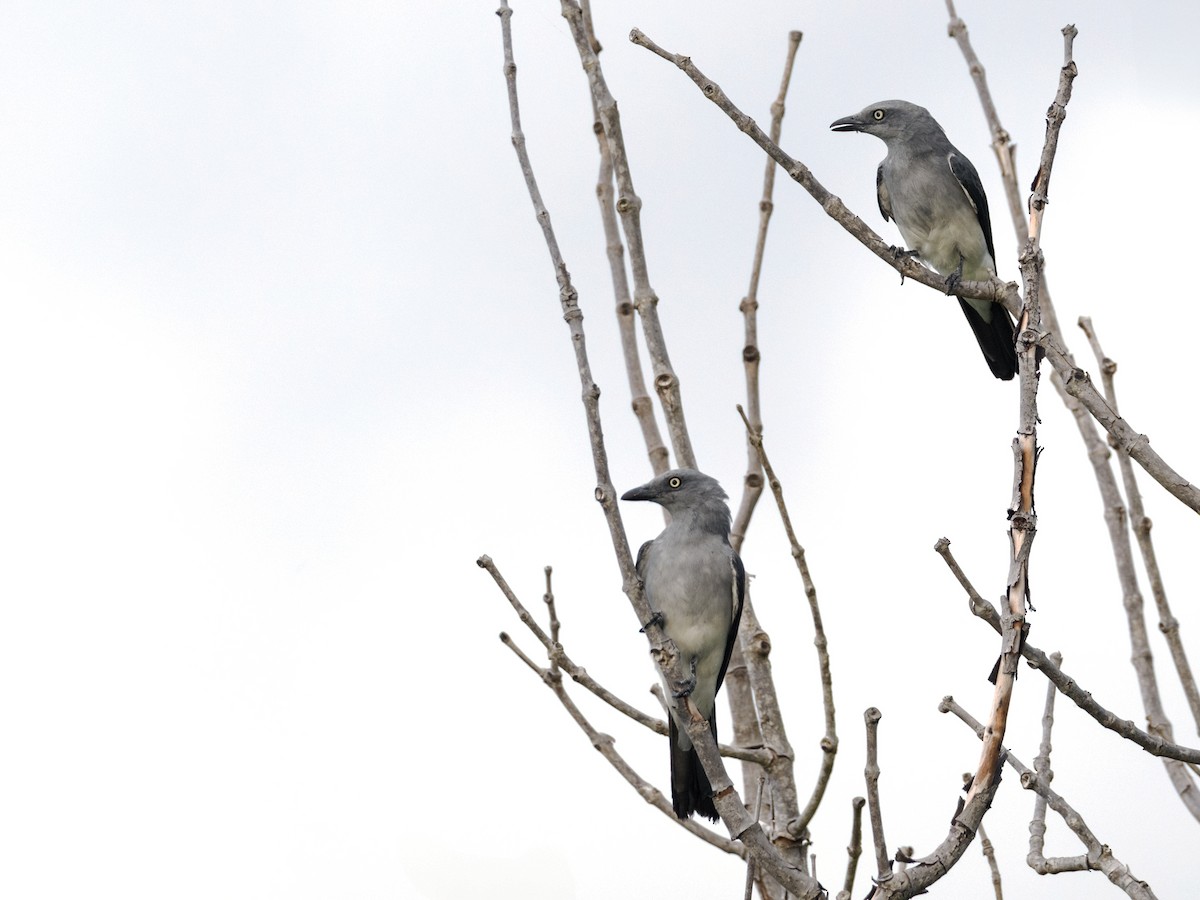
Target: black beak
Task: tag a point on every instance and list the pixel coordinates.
(850, 123)
(638, 493)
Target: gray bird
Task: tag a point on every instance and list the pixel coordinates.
(695, 584)
(933, 192)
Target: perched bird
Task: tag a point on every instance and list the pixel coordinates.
(695, 584)
(934, 194)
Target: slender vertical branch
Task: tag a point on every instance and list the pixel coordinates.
(552, 614)
(573, 315)
(1022, 516)
(872, 717)
(749, 891)
(1141, 524)
(643, 407)
(1002, 145)
(853, 849)
(738, 690)
(829, 743)
(989, 853)
(753, 484)
(629, 206)
(1037, 825)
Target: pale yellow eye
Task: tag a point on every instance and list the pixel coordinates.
(675, 482)
(878, 115)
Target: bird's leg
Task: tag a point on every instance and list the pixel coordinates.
(955, 277)
(689, 685)
(899, 253)
(656, 618)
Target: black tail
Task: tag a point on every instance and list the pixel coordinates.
(997, 339)
(690, 790)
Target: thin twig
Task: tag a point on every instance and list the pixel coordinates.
(1141, 524)
(560, 660)
(989, 853)
(854, 848)
(1041, 765)
(1002, 145)
(739, 691)
(1099, 855)
(552, 614)
(872, 717)
(1037, 825)
(762, 779)
(1075, 381)
(753, 484)
(606, 745)
(829, 743)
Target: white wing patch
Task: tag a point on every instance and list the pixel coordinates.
(966, 193)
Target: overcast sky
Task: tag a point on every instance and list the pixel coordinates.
(282, 355)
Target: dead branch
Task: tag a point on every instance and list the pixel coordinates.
(1099, 856)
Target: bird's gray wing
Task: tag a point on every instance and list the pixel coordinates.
(968, 179)
(738, 600)
(881, 194)
(640, 564)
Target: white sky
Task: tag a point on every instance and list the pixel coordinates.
(282, 355)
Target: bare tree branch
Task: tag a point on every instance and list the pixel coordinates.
(643, 407)
(738, 689)
(854, 848)
(1151, 743)
(749, 891)
(629, 206)
(1141, 524)
(1037, 825)
(1002, 145)
(1022, 515)
(989, 853)
(552, 616)
(753, 485)
(829, 743)
(1099, 855)
(560, 660)
(872, 717)
(606, 745)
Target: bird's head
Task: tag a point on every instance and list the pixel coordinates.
(679, 489)
(888, 120)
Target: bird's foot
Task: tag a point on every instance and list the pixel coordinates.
(656, 619)
(899, 253)
(689, 685)
(954, 277)
(686, 688)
